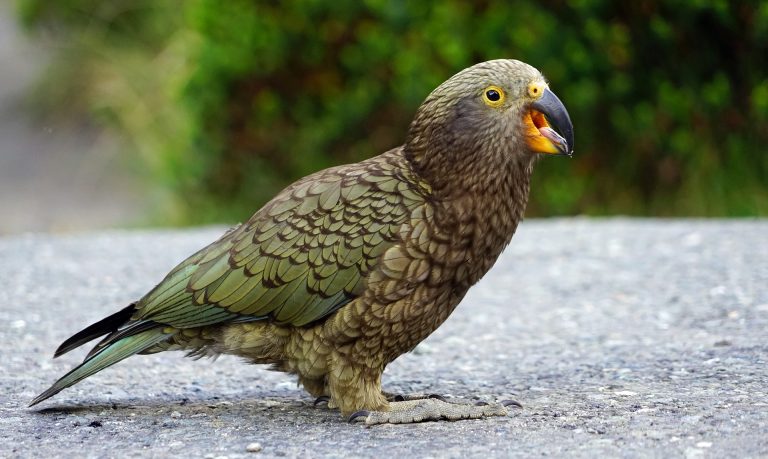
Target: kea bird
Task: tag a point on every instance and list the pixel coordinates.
(350, 267)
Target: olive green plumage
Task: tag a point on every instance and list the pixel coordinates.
(350, 267)
(305, 254)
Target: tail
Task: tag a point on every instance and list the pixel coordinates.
(121, 343)
(106, 325)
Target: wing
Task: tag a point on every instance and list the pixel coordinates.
(302, 256)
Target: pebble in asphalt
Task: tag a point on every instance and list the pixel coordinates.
(626, 338)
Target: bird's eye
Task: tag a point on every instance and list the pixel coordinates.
(535, 90)
(493, 96)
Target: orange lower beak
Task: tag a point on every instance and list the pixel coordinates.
(556, 139)
(540, 136)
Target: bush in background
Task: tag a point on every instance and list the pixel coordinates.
(224, 103)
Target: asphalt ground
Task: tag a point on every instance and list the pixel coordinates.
(621, 338)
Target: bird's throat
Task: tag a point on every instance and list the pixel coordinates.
(482, 213)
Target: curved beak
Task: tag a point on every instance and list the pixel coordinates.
(554, 126)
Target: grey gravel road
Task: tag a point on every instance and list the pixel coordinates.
(626, 338)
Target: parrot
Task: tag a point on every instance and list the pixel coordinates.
(350, 267)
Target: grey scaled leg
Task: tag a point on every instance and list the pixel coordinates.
(432, 408)
(405, 397)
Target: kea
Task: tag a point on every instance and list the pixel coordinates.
(350, 267)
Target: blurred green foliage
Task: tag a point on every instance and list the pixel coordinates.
(225, 102)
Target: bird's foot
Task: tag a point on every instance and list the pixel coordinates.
(432, 409)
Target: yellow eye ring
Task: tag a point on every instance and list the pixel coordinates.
(494, 96)
(536, 90)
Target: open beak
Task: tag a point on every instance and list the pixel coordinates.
(548, 126)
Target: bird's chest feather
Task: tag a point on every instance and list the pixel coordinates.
(469, 233)
(443, 251)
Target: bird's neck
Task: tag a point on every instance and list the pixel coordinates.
(478, 205)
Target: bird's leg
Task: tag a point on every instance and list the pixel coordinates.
(431, 409)
(355, 387)
(357, 390)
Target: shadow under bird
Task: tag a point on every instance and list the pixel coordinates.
(350, 267)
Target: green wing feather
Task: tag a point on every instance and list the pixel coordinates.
(301, 257)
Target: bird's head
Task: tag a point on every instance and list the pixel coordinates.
(497, 111)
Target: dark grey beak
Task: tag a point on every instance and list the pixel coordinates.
(557, 116)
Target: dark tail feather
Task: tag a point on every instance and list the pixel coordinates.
(107, 325)
(133, 328)
(108, 356)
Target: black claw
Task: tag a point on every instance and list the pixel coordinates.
(512, 403)
(322, 399)
(358, 414)
(481, 403)
(399, 398)
(438, 397)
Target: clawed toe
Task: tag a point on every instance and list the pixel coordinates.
(512, 403)
(323, 399)
(405, 398)
(404, 409)
(358, 416)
